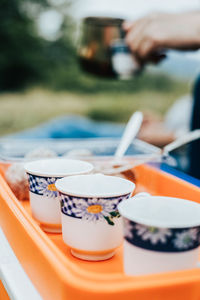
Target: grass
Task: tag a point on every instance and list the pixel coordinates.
(26, 109)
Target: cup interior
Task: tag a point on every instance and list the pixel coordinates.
(58, 167)
(95, 185)
(164, 212)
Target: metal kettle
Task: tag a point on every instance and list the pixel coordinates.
(102, 49)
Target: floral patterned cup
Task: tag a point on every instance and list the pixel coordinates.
(44, 197)
(161, 234)
(91, 224)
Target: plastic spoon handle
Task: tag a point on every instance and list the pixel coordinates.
(189, 137)
(129, 134)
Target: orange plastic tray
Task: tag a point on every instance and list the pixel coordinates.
(3, 293)
(57, 275)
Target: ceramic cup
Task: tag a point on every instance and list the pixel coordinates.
(91, 224)
(44, 197)
(161, 234)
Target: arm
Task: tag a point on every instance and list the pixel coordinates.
(156, 32)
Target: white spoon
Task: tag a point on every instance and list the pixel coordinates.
(131, 130)
(188, 137)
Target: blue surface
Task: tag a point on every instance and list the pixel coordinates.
(177, 173)
(71, 127)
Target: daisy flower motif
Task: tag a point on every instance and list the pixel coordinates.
(153, 234)
(92, 209)
(128, 227)
(46, 186)
(186, 238)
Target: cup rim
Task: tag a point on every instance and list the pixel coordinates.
(61, 185)
(126, 209)
(37, 168)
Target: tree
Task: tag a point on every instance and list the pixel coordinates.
(25, 57)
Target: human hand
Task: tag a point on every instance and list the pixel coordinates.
(156, 134)
(149, 36)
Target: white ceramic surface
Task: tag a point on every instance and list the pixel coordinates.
(91, 225)
(138, 261)
(83, 235)
(45, 209)
(163, 225)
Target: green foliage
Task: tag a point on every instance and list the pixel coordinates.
(115, 214)
(110, 222)
(25, 57)
(18, 45)
(109, 113)
(29, 108)
(70, 77)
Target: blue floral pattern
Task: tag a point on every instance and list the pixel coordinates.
(43, 186)
(161, 239)
(92, 209)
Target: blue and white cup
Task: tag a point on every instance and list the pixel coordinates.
(91, 224)
(161, 234)
(44, 197)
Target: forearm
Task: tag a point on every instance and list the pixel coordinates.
(163, 31)
(187, 36)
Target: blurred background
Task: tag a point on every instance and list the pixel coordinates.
(40, 77)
